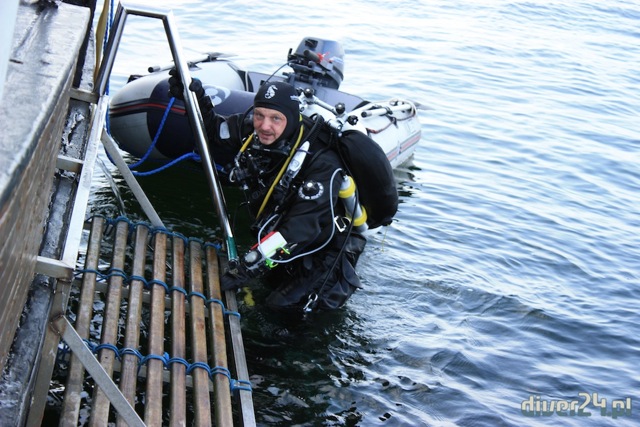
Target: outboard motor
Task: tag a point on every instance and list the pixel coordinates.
(318, 62)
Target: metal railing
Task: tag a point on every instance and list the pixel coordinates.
(192, 107)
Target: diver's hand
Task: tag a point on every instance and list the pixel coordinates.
(176, 87)
(234, 279)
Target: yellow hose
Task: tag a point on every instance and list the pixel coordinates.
(284, 168)
(100, 33)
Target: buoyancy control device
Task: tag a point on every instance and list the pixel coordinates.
(367, 163)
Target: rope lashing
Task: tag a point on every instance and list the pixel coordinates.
(104, 276)
(168, 361)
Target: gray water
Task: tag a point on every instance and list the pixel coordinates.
(508, 281)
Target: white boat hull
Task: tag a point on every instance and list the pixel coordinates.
(142, 112)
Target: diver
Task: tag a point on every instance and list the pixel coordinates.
(307, 248)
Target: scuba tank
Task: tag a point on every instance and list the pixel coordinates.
(356, 213)
(367, 163)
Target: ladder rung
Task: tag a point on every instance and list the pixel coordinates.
(83, 95)
(69, 164)
(54, 268)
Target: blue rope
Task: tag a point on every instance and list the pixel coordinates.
(127, 279)
(195, 239)
(186, 156)
(194, 156)
(199, 365)
(164, 359)
(113, 271)
(103, 277)
(241, 385)
(168, 361)
(216, 246)
(131, 351)
(197, 294)
(155, 138)
(148, 283)
(159, 282)
(179, 360)
(172, 234)
(105, 346)
(146, 155)
(138, 278)
(217, 301)
(224, 309)
(220, 370)
(180, 236)
(179, 289)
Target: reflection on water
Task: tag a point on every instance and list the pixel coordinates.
(511, 268)
(106, 192)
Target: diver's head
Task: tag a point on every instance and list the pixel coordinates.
(276, 112)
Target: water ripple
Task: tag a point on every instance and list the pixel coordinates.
(511, 268)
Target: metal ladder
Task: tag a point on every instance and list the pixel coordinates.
(63, 269)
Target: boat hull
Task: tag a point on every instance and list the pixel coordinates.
(147, 123)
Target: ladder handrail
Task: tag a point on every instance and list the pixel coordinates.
(197, 124)
(192, 107)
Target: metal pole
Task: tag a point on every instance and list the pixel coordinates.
(197, 125)
(383, 110)
(110, 52)
(112, 149)
(193, 109)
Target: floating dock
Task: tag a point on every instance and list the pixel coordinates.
(131, 313)
(163, 329)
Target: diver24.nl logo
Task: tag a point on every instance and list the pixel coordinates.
(536, 406)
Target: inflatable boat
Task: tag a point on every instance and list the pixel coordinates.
(147, 123)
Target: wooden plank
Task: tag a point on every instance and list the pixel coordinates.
(222, 395)
(201, 403)
(75, 378)
(178, 341)
(129, 378)
(153, 399)
(97, 372)
(207, 322)
(100, 409)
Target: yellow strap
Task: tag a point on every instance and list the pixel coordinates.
(100, 33)
(246, 143)
(284, 168)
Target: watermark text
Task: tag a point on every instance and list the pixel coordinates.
(584, 406)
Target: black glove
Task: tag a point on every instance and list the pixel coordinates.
(234, 279)
(176, 89)
(252, 265)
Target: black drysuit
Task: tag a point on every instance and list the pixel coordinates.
(320, 265)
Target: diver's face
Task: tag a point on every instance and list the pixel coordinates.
(268, 124)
